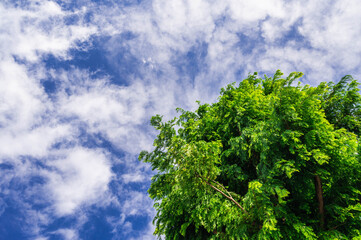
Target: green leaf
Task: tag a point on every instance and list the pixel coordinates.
(184, 228)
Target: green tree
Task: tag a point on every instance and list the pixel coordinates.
(269, 160)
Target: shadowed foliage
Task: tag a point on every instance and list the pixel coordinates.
(269, 160)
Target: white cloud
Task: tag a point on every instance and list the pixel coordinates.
(116, 112)
(82, 176)
(137, 203)
(28, 33)
(36, 142)
(68, 234)
(22, 99)
(31, 123)
(327, 30)
(27, 123)
(41, 238)
(246, 12)
(133, 177)
(189, 19)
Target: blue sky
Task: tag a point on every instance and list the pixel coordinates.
(79, 81)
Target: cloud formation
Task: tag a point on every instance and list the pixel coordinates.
(81, 178)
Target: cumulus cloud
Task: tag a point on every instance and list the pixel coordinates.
(81, 176)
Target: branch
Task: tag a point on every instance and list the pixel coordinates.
(224, 189)
(319, 195)
(228, 197)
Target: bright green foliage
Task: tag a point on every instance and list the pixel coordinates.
(269, 160)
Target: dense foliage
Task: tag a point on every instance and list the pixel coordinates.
(270, 160)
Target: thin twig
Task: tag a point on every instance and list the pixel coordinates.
(228, 197)
(222, 187)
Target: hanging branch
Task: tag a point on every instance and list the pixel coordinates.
(221, 192)
(224, 189)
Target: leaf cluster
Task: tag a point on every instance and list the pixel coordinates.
(245, 166)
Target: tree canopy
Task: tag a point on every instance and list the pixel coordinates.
(270, 159)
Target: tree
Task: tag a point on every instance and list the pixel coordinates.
(269, 160)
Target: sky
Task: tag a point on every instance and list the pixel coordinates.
(80, 80)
